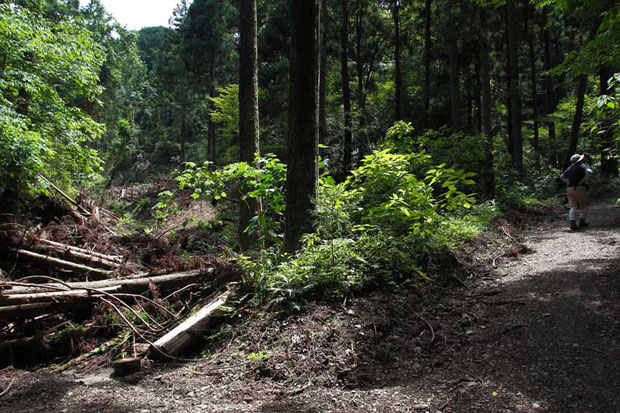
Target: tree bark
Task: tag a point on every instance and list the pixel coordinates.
(529, 15)
(469, 99)
(183, 131)
(454, 82)
(549, 101)
(485, 106)
(398, 75)
(427, 62)
(574, 133)
(211, 137)
(346, 90)
(303, 134)
(514, 88)
(359, 34)
(249, 132)
(361, 92)
(323, 74)
(609, 160)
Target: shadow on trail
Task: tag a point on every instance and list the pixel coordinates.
(565, 354)
(46, 392)
(549, 340)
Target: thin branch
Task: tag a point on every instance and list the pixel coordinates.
(5, 391)
(428, 324)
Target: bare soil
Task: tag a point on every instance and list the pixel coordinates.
(525, 322)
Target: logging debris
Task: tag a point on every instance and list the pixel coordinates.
(72, 289)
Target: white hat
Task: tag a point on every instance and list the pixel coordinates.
(576, 158)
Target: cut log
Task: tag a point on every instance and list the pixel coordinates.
(62, 247)
(62, 263)
(188, 333)
(126, 366)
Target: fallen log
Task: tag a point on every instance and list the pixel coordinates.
(134, 285)
(23, 311)
(63, 247)
(56, 296)
(188, 333)
(116, 341)
(78, 256)
(62, 263)
(26, 302)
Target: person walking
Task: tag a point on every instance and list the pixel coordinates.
(577, 176)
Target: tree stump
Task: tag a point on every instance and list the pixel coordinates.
(126, 366)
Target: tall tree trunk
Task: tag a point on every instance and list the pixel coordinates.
(485, 105)
(183, 131)
(359, 34)
(398, 75)
(478, 93)
(549, 101)
(609, 160)
(529, 14)
(508, 139)
(469, 99)
(454, 82)
(346, 89)
(211, 137)
(249, 132)
(514, 90)
(323, 74)
(574, 132)
(427, 62)
(303, 134)
(361, 93)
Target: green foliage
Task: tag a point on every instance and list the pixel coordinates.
(371, 229)
(226, 109)
(48, 66)
(225, 112)
(264, 180)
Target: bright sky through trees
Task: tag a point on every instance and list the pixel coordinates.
(136, 14)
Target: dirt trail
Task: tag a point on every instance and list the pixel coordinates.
(540, 333)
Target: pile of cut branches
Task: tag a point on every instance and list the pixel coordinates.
(70, 287)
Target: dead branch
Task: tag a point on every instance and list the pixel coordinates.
(5, 391)
(82, 210)
(428, 324)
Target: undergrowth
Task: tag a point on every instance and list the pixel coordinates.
(372, 230)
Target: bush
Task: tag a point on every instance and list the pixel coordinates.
(371, 230)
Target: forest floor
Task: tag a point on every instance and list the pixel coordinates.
(532, 324)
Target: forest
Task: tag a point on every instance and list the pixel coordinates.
(265, 157)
